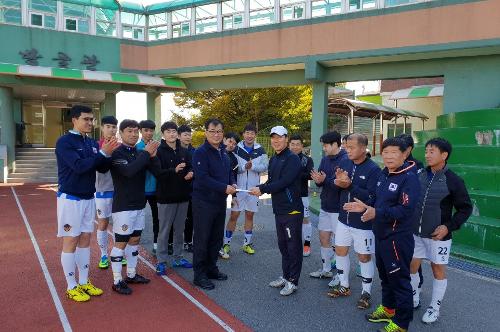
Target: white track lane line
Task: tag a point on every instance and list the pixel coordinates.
(57, 302)
(181, 290)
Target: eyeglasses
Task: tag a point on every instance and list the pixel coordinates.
(92, 120)
(215, 132)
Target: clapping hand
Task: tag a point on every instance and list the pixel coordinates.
(318, 177)
(359, 206)
(342, 179)
(152, 148)
(109, 146)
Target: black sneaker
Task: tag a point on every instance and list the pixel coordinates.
(138, 279)
(122, 288)
(217, 276)
(204, 283)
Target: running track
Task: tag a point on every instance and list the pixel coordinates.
(33, 285)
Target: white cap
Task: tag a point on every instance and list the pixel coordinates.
(278, 130)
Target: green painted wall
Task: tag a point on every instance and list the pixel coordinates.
(108, 107)
(7, 126)
(153, 101)
(377, 99)
(17, 39)
(319, 119)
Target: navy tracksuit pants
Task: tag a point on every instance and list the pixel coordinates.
(393, 256)
(289, 231)
(208, 224)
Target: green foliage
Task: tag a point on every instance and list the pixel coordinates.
(287, 106)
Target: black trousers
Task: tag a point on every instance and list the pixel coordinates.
(188, 229)
(393, 256)
(289, 232)
(153, 203)
(208, 224)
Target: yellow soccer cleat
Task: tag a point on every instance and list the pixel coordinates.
(77, 295)
(248, 249)
(90, 289)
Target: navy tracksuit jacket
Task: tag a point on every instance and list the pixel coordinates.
(396, 198)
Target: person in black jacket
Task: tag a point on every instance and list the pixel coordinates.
(297, 147)
(434, 221)
(284, 186)
(128, 171)
(173, 192)
(391, 210)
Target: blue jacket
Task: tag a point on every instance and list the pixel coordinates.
(78, 158)
(330, 193)
(395, 202)
(283, 183)
(364, 179)
(150, 187)
(212, 174)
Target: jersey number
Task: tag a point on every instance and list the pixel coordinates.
(443, 250)
(368, 241)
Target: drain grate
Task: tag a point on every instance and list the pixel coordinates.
(479, 269)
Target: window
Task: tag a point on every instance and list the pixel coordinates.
(325, 7)
(76, 17)
(10, 11)
(261, 12)
(105, 22)
(42, 13)
(399, 129)
(390, 3)
(232, 14)
(158, 27)
(206, 18)
(361, 4)
(133, 25)
(292, 10)
(181, 22)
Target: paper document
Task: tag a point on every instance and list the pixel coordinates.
(243, 190)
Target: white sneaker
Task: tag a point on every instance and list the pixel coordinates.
(280, 282)
(321, 274)
(288, 289)
(223, 254)
(334, 282)
(430, 316)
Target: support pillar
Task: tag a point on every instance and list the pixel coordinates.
(319, 121)
(7, 129)
(109, 106)
(153, 101)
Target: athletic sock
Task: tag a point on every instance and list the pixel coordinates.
(132, 254)
(326, 255)
(248, 238)
(306, 232)
(438, 290)
(102, 241)
(343, 267)
(227, 237)
(69, 265)
(367, 271)
(415, 279)
(82, 258)
(116, 264)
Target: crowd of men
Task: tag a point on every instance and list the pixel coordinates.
(392, 217)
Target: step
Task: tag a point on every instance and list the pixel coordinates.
(468, 155)
(484, 117)
(35, 157)
(473, 135)
(477, 255)
(27, 175)
(478, 177)
(32, 180)
(487, 202)
(37, 162)
(481, 233)
(45, 150)
(39, 154)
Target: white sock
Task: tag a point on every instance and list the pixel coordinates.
(116, 264)
(438, 290)
(326, 255)
(415, 279)
(102, 241)
(343, 267)
(82, 258)
(69, 265)
(367, 271)
(248, 237)
(131, 259)
(306, 231)
(155, 246)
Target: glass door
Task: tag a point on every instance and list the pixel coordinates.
(34, 121)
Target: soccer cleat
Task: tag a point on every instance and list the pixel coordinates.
(321, 274)
(381, 314)
(182, 263)
(278, 283)
(122, 288)
(334, 282)
(223, 254)
(364, 301)
(339, 291)
(306, 251)
(77, 295)
(137, 279)
(289, 289)
(161, 269)
(104, 262)
(416, 304)
(248, 249)
(91, 289)
(124, 261)
(430, 316)
(392, 327)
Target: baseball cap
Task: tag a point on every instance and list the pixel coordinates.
(278, 130)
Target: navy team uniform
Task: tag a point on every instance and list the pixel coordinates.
(396, 199)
